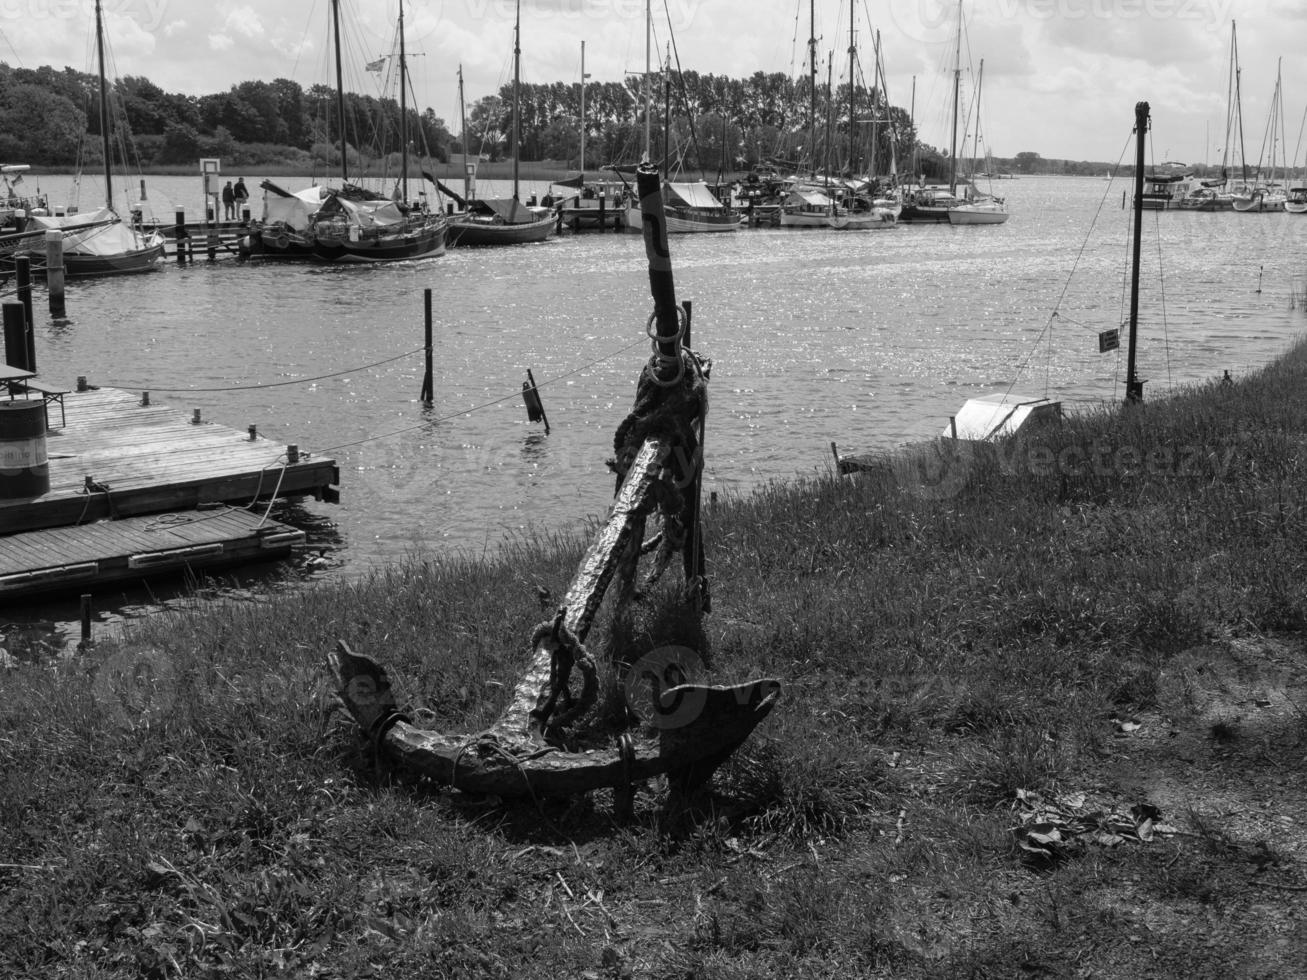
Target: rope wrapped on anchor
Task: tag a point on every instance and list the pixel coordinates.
(566, 652)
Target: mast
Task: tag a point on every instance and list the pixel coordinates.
(340, 91)
(104, 108)
(1134, 388)
(462, 116)
(1238, 101)
(953, 139)
(584, 76)
(648, 94)
(667, 115)
(812, 86)
(975, 144)
(517, 81)
(403, 111)
(853, 124)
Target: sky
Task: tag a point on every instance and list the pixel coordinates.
(1060, 77)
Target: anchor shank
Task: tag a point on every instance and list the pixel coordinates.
(586, 592)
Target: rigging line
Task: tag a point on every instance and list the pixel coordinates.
(274, 384)
(1066, 285)
(476, 408)
(1161, 291)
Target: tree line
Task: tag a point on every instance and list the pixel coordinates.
(699, 123)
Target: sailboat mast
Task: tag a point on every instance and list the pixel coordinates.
(812, 86)
(667, 114)
(853, 122)
(463, 124)
(1134, 388)
(648, 93)
(104, 108)
(957, 81)
(584, 76)
(975, 144)
(517, 81)
(340, 91)
(403, 111)
(1238, 101)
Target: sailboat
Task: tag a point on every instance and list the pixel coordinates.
(835, 204)
(690, 207)
(349, 224)
(977, 208)
(356, 226)
(1266, 195)
(504, 221)
(100, 242)
(1215, 194)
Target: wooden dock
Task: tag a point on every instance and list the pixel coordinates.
(112, 458)
(115, 457)
(62, 559)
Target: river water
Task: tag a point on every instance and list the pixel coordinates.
(866, 339)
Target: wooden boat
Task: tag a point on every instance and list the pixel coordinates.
(348, 224)
(501, 221)
(498, 221)
(284, 229)
(690, 208)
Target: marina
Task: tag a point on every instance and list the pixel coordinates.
(883, 336)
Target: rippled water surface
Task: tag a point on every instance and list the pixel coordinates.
(865, 339)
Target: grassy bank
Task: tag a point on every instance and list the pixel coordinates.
(1044, 715)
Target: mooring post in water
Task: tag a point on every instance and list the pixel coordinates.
(179, 235)
(1134, 386)
(428, 387)
(86, 623)
(54, 272)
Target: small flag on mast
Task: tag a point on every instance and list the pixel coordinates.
(378, 65)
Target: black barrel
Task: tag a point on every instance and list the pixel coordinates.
(24, 471)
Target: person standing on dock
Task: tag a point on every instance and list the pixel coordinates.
(228, 202)
(241, 195)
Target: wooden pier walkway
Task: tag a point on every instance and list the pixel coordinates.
(112, 458)
(59, 559)
(115, 457)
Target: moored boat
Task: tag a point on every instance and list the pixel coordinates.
(1296, 201)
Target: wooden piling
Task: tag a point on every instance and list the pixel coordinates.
(18, 351)
(87, 642)
(179, 235)
(23, 276)
(603, 212)
(54, 272)
(428, 387)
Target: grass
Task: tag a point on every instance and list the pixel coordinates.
(190, 803)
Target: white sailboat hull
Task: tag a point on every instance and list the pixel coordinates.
(976, 214)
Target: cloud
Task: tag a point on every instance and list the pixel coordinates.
(220, 42)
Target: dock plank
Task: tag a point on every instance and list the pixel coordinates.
(59, 559)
